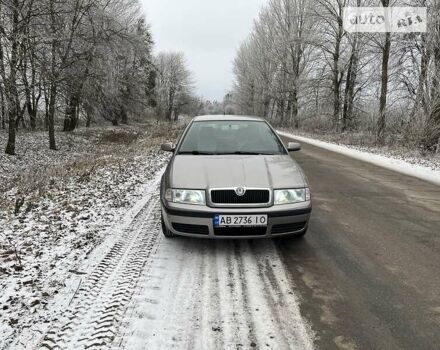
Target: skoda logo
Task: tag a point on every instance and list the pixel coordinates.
(240, 191)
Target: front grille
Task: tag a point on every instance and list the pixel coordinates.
(240, 231)
(287, 228)
(194, 229)
(230, 197)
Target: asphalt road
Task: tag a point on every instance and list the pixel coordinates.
(368, 270)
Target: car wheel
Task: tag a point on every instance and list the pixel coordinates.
(166, 232)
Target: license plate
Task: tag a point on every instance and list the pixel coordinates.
(240, 220)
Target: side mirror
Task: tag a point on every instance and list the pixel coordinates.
(168, 147)
(293, 147)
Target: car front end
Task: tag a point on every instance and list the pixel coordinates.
(220, 221)
(233, 178)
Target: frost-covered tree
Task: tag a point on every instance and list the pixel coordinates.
(270, 65)
(70, 60)
(299, 67)
(173, 84)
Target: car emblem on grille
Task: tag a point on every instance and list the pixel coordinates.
(240, 191)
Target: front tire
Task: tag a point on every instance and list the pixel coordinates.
(165, 230)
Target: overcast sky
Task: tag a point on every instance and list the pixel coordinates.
(207, 31)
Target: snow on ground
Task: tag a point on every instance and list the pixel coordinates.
(142, 291)
(57, 206)
(86, 311)
(427, 169)
(203, 294)
(83, 262)
(34, 157)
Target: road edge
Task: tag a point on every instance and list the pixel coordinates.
(397, 165)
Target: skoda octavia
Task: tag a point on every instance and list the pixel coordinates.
(232, 177)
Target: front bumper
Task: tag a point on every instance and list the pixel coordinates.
(198, 221)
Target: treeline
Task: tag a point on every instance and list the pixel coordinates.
(174, 87)
(300, 68)
(79, 56)
(62, 61)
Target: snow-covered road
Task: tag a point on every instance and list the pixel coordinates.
(143, 291)
(198, 294)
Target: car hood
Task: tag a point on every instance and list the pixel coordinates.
(203, 172)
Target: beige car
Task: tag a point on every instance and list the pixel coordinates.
(232, 177)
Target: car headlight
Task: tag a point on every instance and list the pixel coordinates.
(185, 196)
(295, 195)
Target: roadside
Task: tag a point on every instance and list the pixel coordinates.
(87, 311)
(363, 142)
(57, 206)
(425, 167)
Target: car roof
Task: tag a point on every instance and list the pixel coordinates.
(226, 118)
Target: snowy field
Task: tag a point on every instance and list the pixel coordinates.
(57, 206)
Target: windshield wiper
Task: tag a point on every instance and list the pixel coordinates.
(197, 153)
(249, 153)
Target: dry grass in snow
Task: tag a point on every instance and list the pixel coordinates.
(55, 207)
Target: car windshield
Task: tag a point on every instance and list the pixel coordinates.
(230, 137)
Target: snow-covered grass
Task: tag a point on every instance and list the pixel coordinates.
(423, 167)
(55, 207)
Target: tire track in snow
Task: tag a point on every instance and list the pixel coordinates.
(215, 295)
(92, 318)
(279, 293)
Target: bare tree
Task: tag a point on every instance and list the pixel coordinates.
(386, 48)
(431, 132)
(270, 65)
(72, 58)
(12, 38)
(173, 83)
(300, 67)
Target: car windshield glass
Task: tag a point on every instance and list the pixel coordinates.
(230, 137)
